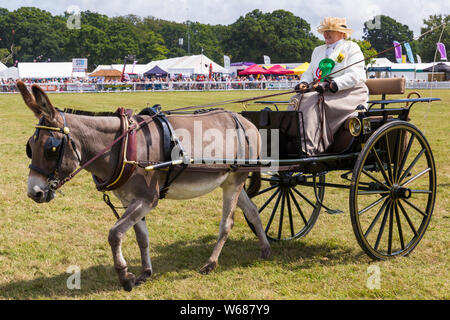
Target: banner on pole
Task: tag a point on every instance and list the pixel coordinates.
(226, 62)
(398, 52)
(442, 51)
(266, 60)
(409, 53)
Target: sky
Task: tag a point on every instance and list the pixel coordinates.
(409, 12)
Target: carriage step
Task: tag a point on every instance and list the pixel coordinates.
(334, 212)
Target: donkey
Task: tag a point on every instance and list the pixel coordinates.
(140, 193)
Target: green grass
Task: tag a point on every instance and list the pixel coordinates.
(39, 242)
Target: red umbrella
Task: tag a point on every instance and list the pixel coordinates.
(254, 69)
(277, 69)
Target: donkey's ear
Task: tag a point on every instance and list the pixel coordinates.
(29, 99)
(43, 102)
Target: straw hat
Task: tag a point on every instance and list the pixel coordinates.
(335, 24)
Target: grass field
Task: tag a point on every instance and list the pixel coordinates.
(38, 243)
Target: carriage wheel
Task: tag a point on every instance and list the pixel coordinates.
(288, 209)
(393, 191)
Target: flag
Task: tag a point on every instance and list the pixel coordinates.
(398, 52)
(266, 60)
(442, 51)
(403, 58)
(226, 62)
(419, 59)
(134, 64)
(409, 52)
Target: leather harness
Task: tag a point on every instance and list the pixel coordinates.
(124, 168)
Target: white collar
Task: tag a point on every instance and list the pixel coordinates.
(334, 45)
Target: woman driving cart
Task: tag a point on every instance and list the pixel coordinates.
(333, 99)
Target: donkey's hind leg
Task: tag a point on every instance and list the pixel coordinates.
(252, 215)
(140, 228)
(231, 189)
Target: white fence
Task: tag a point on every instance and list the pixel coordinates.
(189, 86)
(427, 85)
(159, 86)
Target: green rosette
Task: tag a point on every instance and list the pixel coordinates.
(326, 65)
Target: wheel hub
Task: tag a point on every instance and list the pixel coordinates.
(398, 192)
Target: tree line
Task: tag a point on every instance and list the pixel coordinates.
(30, 34)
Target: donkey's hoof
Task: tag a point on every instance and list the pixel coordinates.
(265, 253)
(207, 268)
(143, 277)
(128, 281)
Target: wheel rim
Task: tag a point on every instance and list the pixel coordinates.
(391, 205)
(288, 209)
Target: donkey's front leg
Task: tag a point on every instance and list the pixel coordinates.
(137, 209)
(141, 231)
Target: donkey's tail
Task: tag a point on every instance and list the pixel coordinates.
(254, 184)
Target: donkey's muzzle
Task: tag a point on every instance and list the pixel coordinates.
(40, 196)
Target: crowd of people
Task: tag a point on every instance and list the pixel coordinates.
(173, 78)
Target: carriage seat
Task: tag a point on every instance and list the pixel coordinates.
(386, 86)
(343, 138)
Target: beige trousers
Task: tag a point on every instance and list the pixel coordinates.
(324, 114)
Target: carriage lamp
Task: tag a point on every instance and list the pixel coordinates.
(354, 126)
(66, 130)
(366, 126)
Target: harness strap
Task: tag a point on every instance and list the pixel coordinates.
(123, 169)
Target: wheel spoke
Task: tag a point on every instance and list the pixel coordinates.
(416, 176)
(267, 189)
(391, 226)
(389, 160)
(411, 165)
(273, 179)
(298, 207)
(383, 224)
(291, 222)
(411, 225)
(386, 202)
(269, 200)
(374, 179)
(380, 165)
(405, 156)
(280, 226)
(399, 146)
(304, 198)
(275, 208)
(373, 204)
(422, 191)
(372, 192)
(399, 225)
(415, 208)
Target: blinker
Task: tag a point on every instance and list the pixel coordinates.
(51, 148)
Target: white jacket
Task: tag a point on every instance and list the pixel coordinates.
(345, 79)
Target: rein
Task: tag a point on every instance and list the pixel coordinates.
(134, 126)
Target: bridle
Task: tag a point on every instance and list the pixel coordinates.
(53, 150)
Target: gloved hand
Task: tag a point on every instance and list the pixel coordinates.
(301, 86)
(327, 85)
